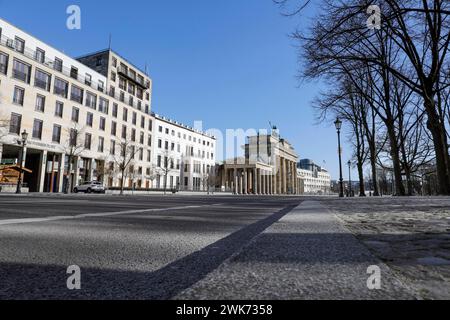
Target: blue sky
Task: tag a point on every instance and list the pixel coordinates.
(229, 63)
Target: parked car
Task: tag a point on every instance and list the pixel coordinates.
(90, 187)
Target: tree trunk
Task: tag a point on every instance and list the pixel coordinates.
(362, 191)
(373, 164)
(441, 168)
(394, 151)
(165, 184)
(122, 180)
(69, 179)
(440, 146)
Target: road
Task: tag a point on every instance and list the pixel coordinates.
(134, 247)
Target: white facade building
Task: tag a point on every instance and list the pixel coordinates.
(314, 179)
(182, 154)
(79, 113)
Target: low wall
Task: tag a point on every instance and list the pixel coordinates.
(12, 189)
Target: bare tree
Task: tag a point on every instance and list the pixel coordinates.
(123, 160)
(209, 179)
(73, 147)
(420, 32)
(151, 174)
(165, 165)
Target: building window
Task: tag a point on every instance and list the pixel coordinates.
(114, 62)
(149, 141)
(21, 71)
(124, 132)
(58, 65)
(89, 119)
(15, 123)
(40, 55)
(140, 93)
(112, 149)
(75, 114)
(87, 141)
(133, 135)
(61, 87)
(56, 136)
(102, 125)
(141, 139)
(40, 103)
(88, 79)
(103, 106)
(37, 129)
(113, 76)
(91, 100)
(115, 110)
(125, 114)
(4, 58)
(76, 94)
(149, 157)
(42, 80)
(19, 95)
(74, 73)
(101, 85)
(122, 83)
(73, 137)
(159, 143)
(142, 122)
(150, 125)
(113, 128)
(131, 89)
(101, 144)
(158, 162)
(59, 109)
(134, 119)
(19, 45)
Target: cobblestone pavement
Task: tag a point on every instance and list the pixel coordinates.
(411, 235)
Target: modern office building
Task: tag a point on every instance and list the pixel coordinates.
(314, 178)
(183, 155)
(268, 168)
(83, 116)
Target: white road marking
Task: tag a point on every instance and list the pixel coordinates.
(91, 215)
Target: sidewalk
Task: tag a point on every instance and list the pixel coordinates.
(308, 254)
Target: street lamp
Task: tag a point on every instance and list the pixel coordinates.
(338, 124)
(23, 143)
(350, 178)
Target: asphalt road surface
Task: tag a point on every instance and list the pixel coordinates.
(133, 247)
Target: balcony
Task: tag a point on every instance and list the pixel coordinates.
(124, 71)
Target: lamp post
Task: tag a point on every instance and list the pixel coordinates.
(23, 143)
(350, 178)
(338, 124)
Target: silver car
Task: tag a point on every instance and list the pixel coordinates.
(90, 187)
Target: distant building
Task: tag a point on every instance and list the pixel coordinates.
(80, 113)
(268, 168)
(314, 178)
(191, 156)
